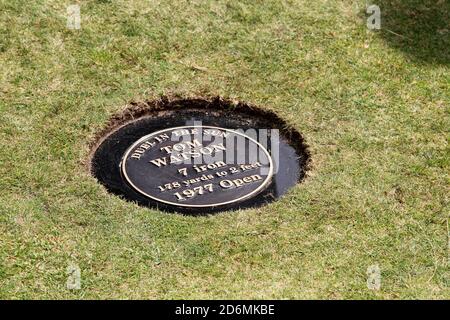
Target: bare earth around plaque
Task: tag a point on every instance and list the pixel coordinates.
(200, 161)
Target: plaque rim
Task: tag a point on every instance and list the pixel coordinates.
(123, 161)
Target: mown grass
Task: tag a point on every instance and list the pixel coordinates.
(374, 111)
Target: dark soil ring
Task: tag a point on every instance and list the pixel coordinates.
(141, 119)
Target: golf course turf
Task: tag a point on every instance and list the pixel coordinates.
(372, 106)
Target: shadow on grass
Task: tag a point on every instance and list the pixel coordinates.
(419, 28)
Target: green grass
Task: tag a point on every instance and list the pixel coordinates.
(374, 110)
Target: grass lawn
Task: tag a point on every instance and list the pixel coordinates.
(372, 105)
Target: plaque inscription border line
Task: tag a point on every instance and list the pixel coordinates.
(249, 195)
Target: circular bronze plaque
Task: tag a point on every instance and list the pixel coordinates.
(197, 166)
